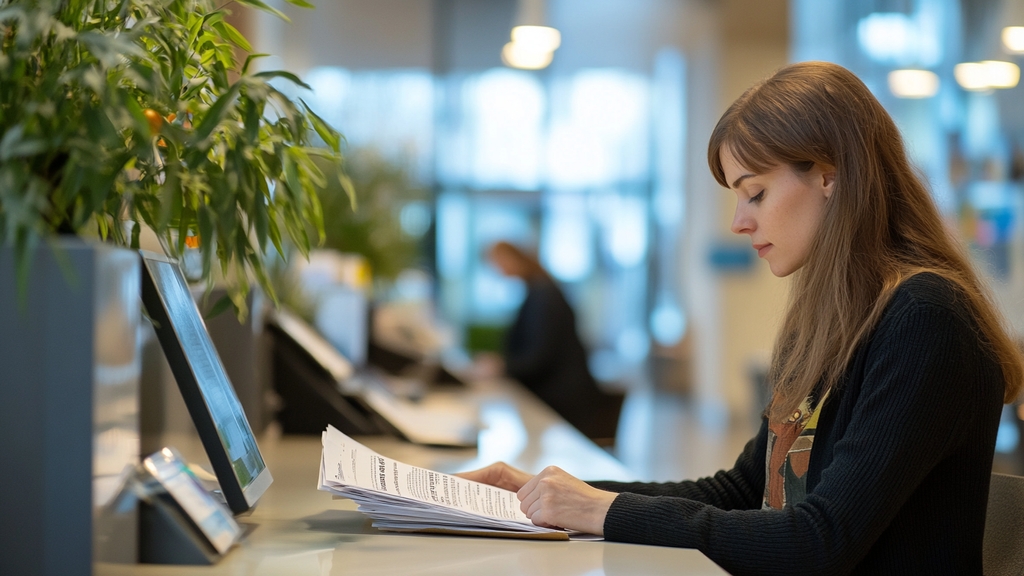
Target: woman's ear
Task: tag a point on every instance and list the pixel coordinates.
(828, 179)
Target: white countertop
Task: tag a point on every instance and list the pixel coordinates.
(298, 530)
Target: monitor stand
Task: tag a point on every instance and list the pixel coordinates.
(166, 536)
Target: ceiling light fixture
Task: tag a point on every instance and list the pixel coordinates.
(533, 42)
(1013, 39)
(521, 56)
(540, 38)
(986, 75)
(914, 83)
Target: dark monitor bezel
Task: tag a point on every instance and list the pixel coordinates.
(240, 499)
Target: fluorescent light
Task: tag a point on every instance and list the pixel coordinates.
(537, 38)
(986, 75)
(1013, 38)
(913, 83)
(1002, 74)
(523, 56)
(970, 76)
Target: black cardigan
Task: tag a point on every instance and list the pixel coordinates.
(899, 472)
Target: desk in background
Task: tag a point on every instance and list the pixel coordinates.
(298, 530)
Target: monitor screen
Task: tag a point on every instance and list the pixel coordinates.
(208, 394)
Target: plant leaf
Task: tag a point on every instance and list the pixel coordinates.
(349, 188)
(275, 235)
(136, 231)
(260, 5)
(250, 58)
(232, 34)
(214, 116)
(195, 26)
(108, 49)
(270, 74)
(328, 134)
(206, 226)
(213, 18)
(13, 146)
(223, 303)
(260, 220)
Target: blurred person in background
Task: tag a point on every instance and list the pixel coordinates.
(543, 351)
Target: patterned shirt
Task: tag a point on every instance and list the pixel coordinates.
(788, 455)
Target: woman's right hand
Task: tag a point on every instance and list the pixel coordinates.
(499, 474)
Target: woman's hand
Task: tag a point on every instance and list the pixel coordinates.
(498, 474)
(555, 498)
(552, 498)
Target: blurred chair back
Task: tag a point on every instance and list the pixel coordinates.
(1004, 526)
(602, 423)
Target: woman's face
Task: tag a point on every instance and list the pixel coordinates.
(780, 210)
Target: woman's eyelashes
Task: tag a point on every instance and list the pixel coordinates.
(757, 198)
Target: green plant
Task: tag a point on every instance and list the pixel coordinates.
(137, 112)
(373, 229)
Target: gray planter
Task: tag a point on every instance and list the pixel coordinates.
(69, 397)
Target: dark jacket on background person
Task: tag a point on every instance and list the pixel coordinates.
(544, 353)
(898, 476)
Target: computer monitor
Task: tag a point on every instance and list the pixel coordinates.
(204, 384)
(318, 386)
(314, 382)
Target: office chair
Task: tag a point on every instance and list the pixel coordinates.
(1004, 526)
(602, 421)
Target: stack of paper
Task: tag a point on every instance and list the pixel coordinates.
(403, 498)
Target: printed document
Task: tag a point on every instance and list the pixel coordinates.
(404, 498)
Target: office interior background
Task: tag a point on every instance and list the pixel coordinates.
(598, 162)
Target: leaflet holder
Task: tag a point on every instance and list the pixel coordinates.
(165, 536)
(180, 522)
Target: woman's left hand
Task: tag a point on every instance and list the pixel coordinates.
(555, 498)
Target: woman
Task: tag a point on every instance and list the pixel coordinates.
(544, 352)
(888, 375)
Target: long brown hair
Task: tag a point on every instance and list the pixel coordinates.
(880, 224)
(529, 266)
